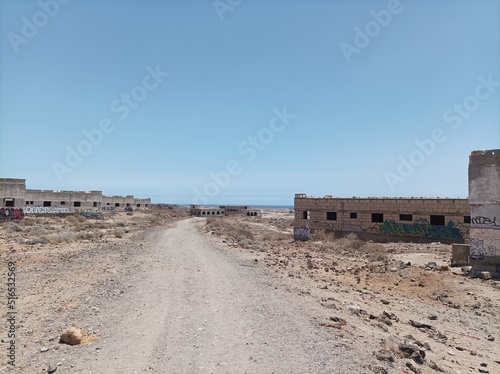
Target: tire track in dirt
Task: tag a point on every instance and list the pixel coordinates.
(194, 307)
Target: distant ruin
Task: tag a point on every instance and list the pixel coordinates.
(17, 200)
(223, 210)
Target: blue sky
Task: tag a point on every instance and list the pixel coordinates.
(230, 101)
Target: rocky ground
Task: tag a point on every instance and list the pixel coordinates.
(401, 301)
(388, 308)
(62, 264)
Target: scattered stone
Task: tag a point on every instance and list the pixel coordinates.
(473, 353)
(483, 371)
(411, 349)
(433, 317)
(421, 284)
(379, 369)
(435, 366)
(412, 367)
(491, 338)
(44, 349)
(323, 287)
(431, 265)
(470, 293)
(420, 325)
(483, 364)
(451, 353)
(384, 356)
(385, 302)
(486, 275)
(460, 348)
(391, 316)
(51, 368)
(76, 336)
(338, 320)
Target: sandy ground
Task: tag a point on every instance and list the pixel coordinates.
(157, 292)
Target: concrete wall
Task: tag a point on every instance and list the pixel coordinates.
(410, 218)
(12, 192)
(224, 210)
(484, 193)
(64, 199)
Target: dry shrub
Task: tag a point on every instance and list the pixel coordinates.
(226, 226)
(37, 240)
(29, 221)
(81, 218)
(118, 233)
(323, 235)
(12, 227)
(71, 219)
(375, 252)
(75, 336)
(350, 243)
(277, 236)
(240, 232)
(377, 256)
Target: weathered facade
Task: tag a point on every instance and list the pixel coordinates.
(484, 196)
(223, 210)
(13, 194)
(378, 218)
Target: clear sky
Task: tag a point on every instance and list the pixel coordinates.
(248, 101)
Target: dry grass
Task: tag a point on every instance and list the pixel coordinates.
(227, 227)
(377, 256)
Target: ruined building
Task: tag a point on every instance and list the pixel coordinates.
(384, 218)
(450, 220)
(484, 198)
(15, 196)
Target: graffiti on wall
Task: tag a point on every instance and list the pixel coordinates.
(483, 243)
(421, 227)
(12, 213)
(484, 221)
(301, 233)
(45, 210)
(91, 214)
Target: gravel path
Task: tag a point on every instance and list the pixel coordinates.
(190, 306)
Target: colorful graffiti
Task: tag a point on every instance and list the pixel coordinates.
(421, 227)
(11, 213)
(301, 233)
(91, 214)
(45, 210)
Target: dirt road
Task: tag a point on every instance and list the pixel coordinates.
(189, 306)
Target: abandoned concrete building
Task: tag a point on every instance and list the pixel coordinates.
(223, 210)
(473, 221)
(14, 194)
(384, 218)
